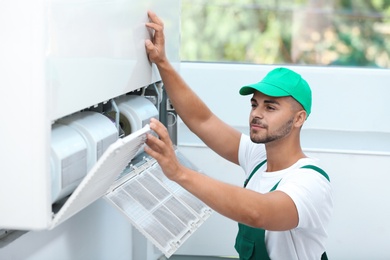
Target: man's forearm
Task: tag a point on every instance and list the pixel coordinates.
(236, 203)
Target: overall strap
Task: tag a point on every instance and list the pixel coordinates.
(315, 168)
(254, 171)
(321, 171)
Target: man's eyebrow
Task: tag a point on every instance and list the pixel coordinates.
(271, 101)
(267, 101)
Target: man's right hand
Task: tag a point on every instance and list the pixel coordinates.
(155, 47)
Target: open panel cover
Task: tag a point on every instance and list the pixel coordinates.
(101, 176)
(164, 212)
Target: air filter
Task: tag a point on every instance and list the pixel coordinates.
(164, 212)
(68, 160)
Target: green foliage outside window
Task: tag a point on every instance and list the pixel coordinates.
(310, 32)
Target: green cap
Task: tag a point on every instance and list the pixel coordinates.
(282, 82)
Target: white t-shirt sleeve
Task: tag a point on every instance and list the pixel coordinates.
(311, 193)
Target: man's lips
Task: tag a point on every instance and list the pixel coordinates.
(256, 126)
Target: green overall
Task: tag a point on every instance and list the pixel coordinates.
(250, 242)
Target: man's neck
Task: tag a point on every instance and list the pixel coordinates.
(281, 155)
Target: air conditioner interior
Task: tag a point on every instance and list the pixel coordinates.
(160, 209)
(78, 140)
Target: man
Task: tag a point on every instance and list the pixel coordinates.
(285, 205)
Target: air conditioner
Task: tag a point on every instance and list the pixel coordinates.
(78, 92)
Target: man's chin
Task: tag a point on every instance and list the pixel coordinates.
(256, 139)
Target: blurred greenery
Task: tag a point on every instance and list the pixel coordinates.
(313, 32)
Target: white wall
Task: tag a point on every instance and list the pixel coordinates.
(348, 131)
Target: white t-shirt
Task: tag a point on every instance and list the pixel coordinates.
(311, 193)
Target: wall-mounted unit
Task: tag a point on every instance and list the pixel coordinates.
(67, 68)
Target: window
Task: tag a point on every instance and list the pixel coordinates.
(306, 32)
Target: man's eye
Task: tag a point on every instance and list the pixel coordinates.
(270, 108)
(253, 105)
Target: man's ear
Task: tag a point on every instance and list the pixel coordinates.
(300, 118)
